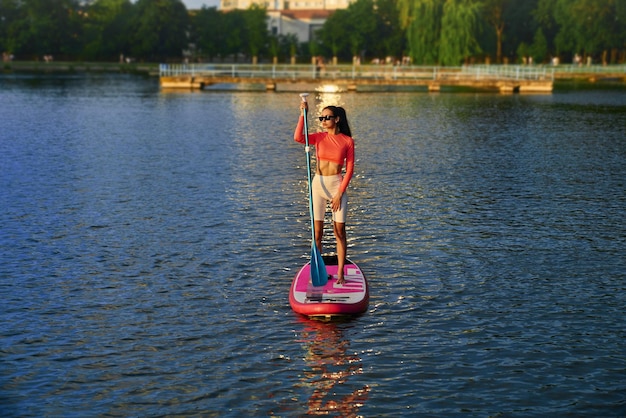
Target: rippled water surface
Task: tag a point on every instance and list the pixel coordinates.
(149, 238)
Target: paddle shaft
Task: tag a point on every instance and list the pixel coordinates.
(319, 276)
(308, 167)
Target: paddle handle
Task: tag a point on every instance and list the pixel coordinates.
(303, 96)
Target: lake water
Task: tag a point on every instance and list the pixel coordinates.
(148, 240)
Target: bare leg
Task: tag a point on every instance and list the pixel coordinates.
(339, 228)
(319, 231)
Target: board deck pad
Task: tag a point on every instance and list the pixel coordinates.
(332, 299)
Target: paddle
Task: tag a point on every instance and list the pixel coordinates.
(319, 276)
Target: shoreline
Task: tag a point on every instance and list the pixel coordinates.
(79, 67)
(562, 80)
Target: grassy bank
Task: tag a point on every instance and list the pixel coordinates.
(78, 67)
(589, 84)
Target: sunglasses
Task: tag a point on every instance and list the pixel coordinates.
(327, 117)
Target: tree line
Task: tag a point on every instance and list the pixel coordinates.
(429, 32)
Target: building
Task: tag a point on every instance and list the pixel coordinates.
(298, 17)
(302, 23)
(285, 4)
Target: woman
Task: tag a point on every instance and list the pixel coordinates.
(333, 147)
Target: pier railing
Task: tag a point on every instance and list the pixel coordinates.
(356, 72)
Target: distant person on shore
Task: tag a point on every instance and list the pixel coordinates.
(319, 66)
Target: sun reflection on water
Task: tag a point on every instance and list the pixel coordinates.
(329, 368)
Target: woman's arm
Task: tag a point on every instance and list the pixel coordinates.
(349, 168)
(298, 135)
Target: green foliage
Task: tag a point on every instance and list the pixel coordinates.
(458, 29)
(389, 36)
(446, 32)
(236, 33)
(284, 46)
(160, 29)
(422, 19)
(335, 34)
(208, 33)
(539, 49)
(589, 26)
(41, 27)
(367, 27)
(105, 29)
(11, 24)
(256, 25)
(522, 53)
(494, 14)
(361, 26)
(520, 26)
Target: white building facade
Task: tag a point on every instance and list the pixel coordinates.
(298, 17)
(285, 4)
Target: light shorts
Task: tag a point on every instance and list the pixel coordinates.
(323, 189)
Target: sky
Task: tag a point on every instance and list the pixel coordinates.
(197, 4)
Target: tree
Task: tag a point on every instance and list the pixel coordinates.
(11, 20)
(256, 24)
(596, 25)
(314, 46)
(458, 29)
(422, 20)
(539, 49)
(208, 32)
(334, 34)
(235, 22)
(361, 26)
(620, 33)
(281, 46)
(522, 52)
(106, 27)
(520, 26)
(369, 27)
(494, 12)
(161, 32)
(588, 27)
(45, 27)
(292, 43)
(433, 31)
(274, 48)
(389, 33)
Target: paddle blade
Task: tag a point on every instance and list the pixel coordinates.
(319, 275)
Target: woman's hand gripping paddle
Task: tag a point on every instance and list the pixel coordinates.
(319, 275)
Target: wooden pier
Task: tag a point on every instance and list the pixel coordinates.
(505, 79)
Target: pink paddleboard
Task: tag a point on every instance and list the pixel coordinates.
(331, 300)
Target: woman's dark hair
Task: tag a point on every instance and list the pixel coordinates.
(343, 125)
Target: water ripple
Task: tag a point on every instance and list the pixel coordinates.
(149, 240)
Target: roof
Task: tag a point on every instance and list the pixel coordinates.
(305, 14)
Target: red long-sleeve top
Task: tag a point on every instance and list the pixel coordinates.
(334, 148)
